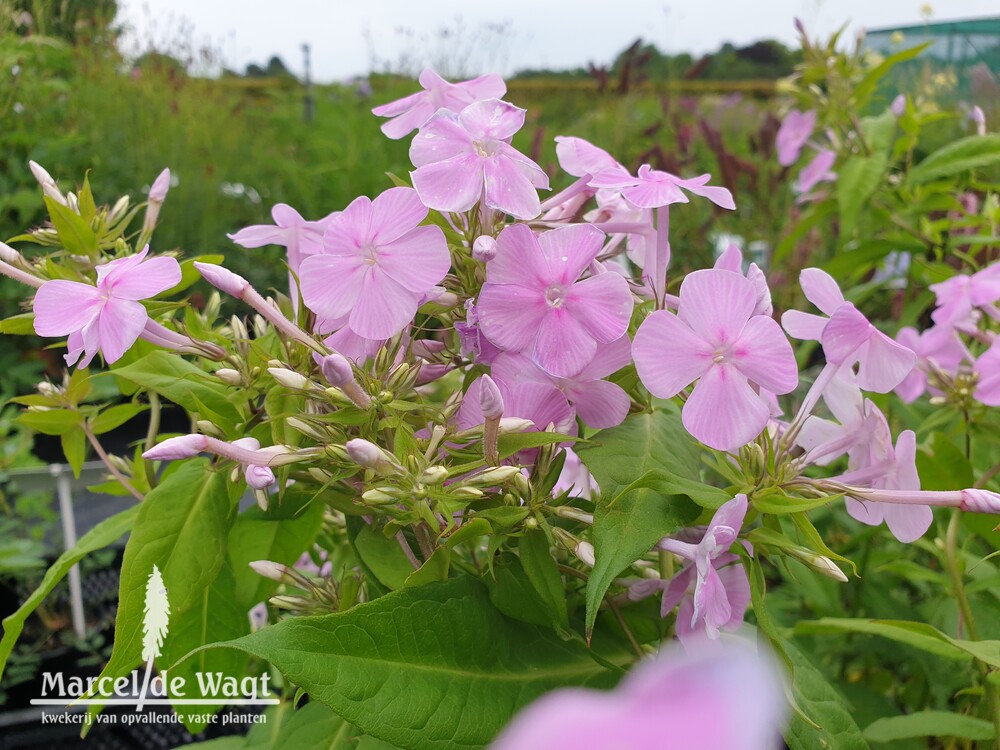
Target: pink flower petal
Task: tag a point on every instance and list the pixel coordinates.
(716, 304)
(452, 185)
(987, 367)
(350, 229)
(845, 334)
(720, 196)
(907, 522)
(383, 307)
(602, 304)
(394, 213)
(580, 158)
(730, 260)
(119, 325)
(568, 251)
(417, 260)
(884, 364)
(764, 355)
(440, 139)
(600, 404)
(803, 326)
(509, 315)
(654, 194)
(286, 216)
(62, 307)
(737, 585)
(820, 289)
(492, 119)
(711, 603)
(146, 280)
(331, 283)
(563, 346)
(258, 236)
(723, 411)
(866, 512)
(508, 189)
(520, 259)
(609, 359)
(668, 355)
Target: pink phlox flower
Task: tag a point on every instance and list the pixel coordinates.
(541, 404)
(717, 340)
(466, 158)
(300, 237)
(613, 208)
(817, 171)
(343, 339)
(732, 260)
(938, 347)
(652, 188)
(377, 263)
(108, 317)
(599, 403)
(473, 344)
(714, 696)
(987, 367)
(892, 469)
(712, 590)
(859, 431)
(257, 477)
(575, 478)
(412, 111)
(581, 158)
(847, 335)
(960, 295)
(792, 135)
(534, 301)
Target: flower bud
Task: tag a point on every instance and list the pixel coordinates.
(290, 378)
(484, 249)
(575, 514)
(229, 376)
(584, 552)
(306, 428)
(291, 603)
(820, 563)
(378, 497)
(40, 173)
(46, 388)
(522, 484)
(467, 493)
(258, 477)
(9, 254)
(336, 369)
(223, 279)
(510, 425)
(73, 203)
(490, 399)
(53, 192)
(492, 477)
(898, 106)
(183, 446)
(434, 475)
(274, 571)
(158, 191)
(370, 456)
(205, 427)
(118, 210)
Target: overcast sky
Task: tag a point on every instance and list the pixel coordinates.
(346, 34)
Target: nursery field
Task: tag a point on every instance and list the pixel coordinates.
(536, 413)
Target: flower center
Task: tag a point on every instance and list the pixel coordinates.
(485, 148)
(720, 355)
(370, 254)
(555, 295)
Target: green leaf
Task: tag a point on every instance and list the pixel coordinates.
(835, 727)
(106, 532)
(776, 503)
(178, 380)
(866, 87)
(276, 535)
(74, 233)
(115, 416)
(19, 325)
(431, 667)
(433, 570)
(973, 152)
(540, 567)
(930, 724)
(513, 594)
(857, 180)
(182, 528)
(85, 199)
(74, 446)
(513, 442)
(917, 634)
(627, 525)
(51, 422)
(383, 557)
(942, 466)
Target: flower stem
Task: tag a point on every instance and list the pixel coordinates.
(99, 449)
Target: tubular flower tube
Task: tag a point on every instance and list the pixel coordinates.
(491, 404)
(236, 286)
(186, 446)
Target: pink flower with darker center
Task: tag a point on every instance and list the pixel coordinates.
(376, 264)
(937, 347)
(959, 295)
(412, 111)
(466, 158)
(792, 135)
(534, 301)
(717, 340)
(108, 317)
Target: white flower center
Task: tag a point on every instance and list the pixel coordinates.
(555, 295)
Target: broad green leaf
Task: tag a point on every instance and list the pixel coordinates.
(857, 180)
(835, 727)
(214, 616)
(52, 422)
(627, 525)
(917, 634)
(430, 667)
(434, 569)
(74, 446)
(182, 527)
(74, 233)
(511, 443)
(276, 535)
(973, 152)
(106, 532)
(540, 567)
(115, 416)
(19, 325)
(513, 594)
(930, 724)
(178, 380)
(384, 557)
(942, 466)
(777, 503)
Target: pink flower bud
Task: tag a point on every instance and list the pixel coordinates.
(484, 249)
(40, 173)
(9, 254)
(158, 192)
(364, 453)
(898, 106)
(223, 279)
(980, 501)
(52, 192)
(258, 477)
(184, 446)
(274, 571)
(337, 370)
(490, 399)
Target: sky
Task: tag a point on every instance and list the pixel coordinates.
(346, 36)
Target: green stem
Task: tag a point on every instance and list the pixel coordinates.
(151, 433)
(99, 449)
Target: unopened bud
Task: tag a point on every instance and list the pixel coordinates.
(229, 376)
(258, 477)
(306, 428)
(118, 210)
(158, 191)
(484, 249)
(290, 378)
(575, 514)
(73, 203)
(205, 427)
(379, 497)
(370, 456)
(183, 446)
(510, 425)
(490, 398)
(434, 475)
(274, 571)
(820, 563)
(223, 279)
(41, 174)
(292, 603)
(336, 369)
(320, 475)
(467, 493)
(522, 484)
(494, 476)
(9, 254)
(53, 192)
(46, 388)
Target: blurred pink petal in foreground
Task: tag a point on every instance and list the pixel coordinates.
(718, 696)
